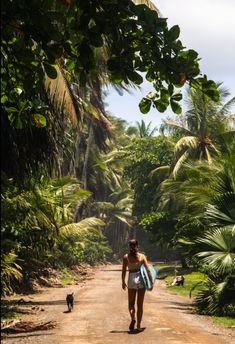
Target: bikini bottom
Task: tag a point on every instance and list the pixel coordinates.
(135, 280)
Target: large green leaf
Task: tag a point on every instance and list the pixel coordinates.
(176, 108)
(173, 33)
(145, 105)
(221, 249)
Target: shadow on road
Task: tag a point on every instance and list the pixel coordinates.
(181, 306)
(135, 331)
(41, 303)
(119, 331)
(111, 270)
(27, 335)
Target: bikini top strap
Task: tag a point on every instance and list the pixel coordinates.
(141, 257)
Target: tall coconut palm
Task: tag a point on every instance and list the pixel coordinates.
(205, 193)
(200, 128)
(208, 188)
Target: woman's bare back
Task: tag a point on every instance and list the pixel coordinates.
(134, 262)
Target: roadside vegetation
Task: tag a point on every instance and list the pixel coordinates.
(192, 277)
(77, 182)
(194, 284)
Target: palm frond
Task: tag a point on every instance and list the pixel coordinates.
(160, 173)
(227, 106)
(148, 3)
(123, 219)
(104, 205)
(74, 228)
(174, 125)
(61, 96)
(179, 163)
(208, 156)
(222, 213)
(221, 249)
(215, 149)
(184, 143)
(10, 271)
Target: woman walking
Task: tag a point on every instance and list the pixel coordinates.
(133, 261)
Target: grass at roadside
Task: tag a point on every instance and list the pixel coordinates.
(68, 277)
(227, 321)
(192, 277)
(9, 313)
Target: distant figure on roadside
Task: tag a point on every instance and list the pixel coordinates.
(135, 285)
(178, 280)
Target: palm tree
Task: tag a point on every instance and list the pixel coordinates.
(142, 130)
(220, 245)
(217, 296)
(10, 272)
(201, 196)
(201, 128)
(117, 213)
(209, 189)
(83, 241)
(34, 223)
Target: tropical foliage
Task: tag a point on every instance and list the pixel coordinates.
(77, 181)
(194, 213)
(217, 296)
(35, 222)
(37, 36)
(142, 129)
(200, 128)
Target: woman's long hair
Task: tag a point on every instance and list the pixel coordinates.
(134, 246)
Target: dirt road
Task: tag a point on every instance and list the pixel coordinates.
(100, 316)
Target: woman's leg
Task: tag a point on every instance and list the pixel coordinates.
(131, 302)
(140, 301)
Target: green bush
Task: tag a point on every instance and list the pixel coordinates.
(84, 246)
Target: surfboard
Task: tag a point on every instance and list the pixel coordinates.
(145, 277)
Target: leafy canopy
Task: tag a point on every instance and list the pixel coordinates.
(36, 35)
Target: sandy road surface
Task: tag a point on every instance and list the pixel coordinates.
(100, 316)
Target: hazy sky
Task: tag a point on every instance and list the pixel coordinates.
(207, 26)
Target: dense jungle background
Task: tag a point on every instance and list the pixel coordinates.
(77, 182)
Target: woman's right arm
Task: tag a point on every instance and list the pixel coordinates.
(124, 267)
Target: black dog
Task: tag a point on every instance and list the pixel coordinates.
(69, 300)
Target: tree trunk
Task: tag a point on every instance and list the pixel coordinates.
(78, 215)
(74, 163)
(183, 262)
(86, 159)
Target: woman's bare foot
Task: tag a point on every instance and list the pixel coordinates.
(140, 329)
(132, 325)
